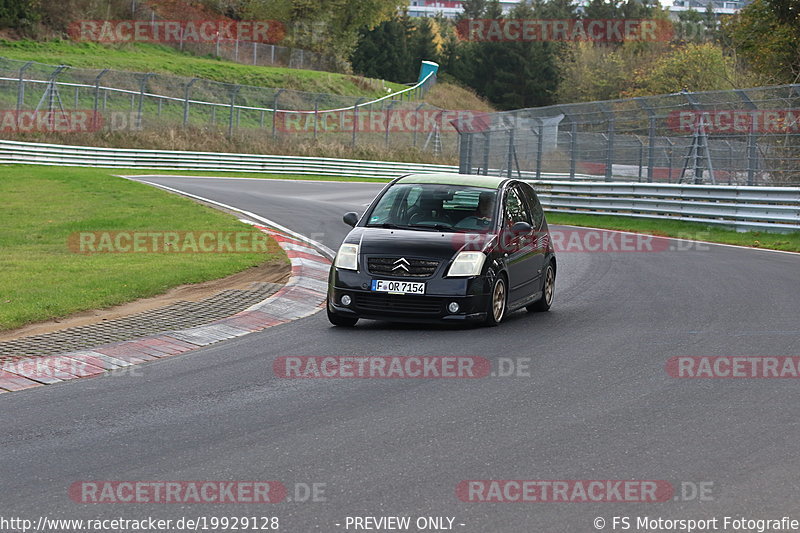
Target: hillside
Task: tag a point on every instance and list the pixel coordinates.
(142, 57)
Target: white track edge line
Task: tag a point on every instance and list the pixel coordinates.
(330, 253)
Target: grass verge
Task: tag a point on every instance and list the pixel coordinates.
(684, 230)
(144, 57)
(41, 279)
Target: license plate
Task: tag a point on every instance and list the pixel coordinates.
(398, 287)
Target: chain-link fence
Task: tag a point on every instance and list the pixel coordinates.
(248, 52)
(35, 97)
(745, 137)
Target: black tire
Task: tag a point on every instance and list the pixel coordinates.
(548, 291)
(339, 320)
(497, 302)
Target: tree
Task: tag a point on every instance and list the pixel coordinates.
(17, 14)
(602, 9)
(694, 67)
(473, 9)
(383, 52)
(690, 27)
(766, 35)
(422, 45)
(337, 23)
(513, 74)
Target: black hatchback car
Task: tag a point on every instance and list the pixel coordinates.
(444, 248)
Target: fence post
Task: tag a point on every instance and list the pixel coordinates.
(610, 118)
(388, 120)
(51, 92)
(355, 120)
(470, 145)
(97, 97)
(573, 141)
(510, 161)
(669, 159)
(186, 91)
(142, 88)
(752, 143)
(255, 53)
(275, 113)
(730, 161)
(641, 156)
(316, 115)
(417, 124)
(234, 92)
(651, 139)
(21, 88)
(463, 153)
(486, 143)
(539, 148)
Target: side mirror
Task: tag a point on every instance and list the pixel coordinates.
(520, 228)
(351, 218)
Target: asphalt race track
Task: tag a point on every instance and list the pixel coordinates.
(597, 404)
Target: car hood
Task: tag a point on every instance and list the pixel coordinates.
(415, 243)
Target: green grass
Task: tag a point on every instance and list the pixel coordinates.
(40, 278)
(139, 172)
(685, 230)
(141, 57)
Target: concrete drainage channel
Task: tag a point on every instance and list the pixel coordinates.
(303, 295)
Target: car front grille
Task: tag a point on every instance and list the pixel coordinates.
(397, 303)
(401, 267)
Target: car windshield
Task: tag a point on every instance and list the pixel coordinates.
(435, 207)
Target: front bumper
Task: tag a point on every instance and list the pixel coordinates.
(471, 294)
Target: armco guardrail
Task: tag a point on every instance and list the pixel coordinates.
(741, 207)
(83, 156)
(745, 208)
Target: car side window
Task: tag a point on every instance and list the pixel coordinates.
(536, 208)
(515, 208)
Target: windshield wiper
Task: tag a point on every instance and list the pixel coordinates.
(437, 227)
(388, 225)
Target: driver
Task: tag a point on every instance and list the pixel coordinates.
(485, 206)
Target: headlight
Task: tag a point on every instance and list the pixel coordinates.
(467, 264)
(347, 257)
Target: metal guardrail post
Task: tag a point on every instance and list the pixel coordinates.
(275, 113)
(186, 91)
